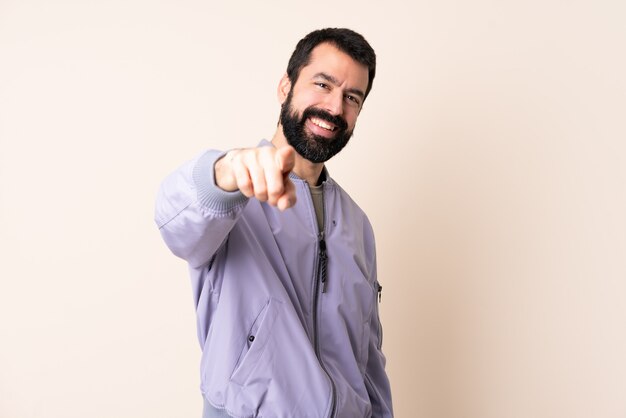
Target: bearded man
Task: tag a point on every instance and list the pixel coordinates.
(282, 260)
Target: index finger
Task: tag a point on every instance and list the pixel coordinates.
(285, 159)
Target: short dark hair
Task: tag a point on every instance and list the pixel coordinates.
(346, 40)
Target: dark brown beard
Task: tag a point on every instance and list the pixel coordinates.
(314, 148)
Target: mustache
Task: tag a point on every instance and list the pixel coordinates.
(336, 120)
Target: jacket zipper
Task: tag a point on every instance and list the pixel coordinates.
(321, 276)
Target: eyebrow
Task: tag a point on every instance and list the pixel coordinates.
(333, 80)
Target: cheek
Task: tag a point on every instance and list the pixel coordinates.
(351, 119)
(306, 97)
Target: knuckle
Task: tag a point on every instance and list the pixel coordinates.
(245, 185)
(260, 191)
(276, 191)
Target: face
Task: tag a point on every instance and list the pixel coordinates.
(319, 112)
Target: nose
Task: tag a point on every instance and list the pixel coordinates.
(334, 103)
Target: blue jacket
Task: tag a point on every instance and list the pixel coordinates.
(287, 317)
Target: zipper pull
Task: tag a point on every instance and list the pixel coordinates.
(380, 293)
(323, 260)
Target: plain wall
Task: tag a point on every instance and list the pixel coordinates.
(490, 157)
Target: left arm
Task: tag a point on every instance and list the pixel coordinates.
(376, 380)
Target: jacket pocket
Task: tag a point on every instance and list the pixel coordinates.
(256, 342)
(378, 298)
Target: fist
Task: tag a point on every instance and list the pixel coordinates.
(262, 173)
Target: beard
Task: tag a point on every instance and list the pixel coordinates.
(314, 148)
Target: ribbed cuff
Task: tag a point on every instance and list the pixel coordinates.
(209, 194)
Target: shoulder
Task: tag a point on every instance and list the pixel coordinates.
(350, 208)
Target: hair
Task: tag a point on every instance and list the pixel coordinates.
(346, 40)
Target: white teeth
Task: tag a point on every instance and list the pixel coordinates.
(322, 124)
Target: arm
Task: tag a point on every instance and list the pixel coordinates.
(199, 204)
(376, 379)
(193, 214)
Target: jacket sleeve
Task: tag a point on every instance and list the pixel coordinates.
(376, 380)
(195, 216)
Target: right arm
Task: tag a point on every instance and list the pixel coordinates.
(199, 204)
(194, 216)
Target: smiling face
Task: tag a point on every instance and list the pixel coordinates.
(320, 110)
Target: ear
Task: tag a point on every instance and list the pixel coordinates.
(284, 86)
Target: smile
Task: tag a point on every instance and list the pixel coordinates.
(323, 124)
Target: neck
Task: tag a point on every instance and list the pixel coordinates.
(303, 168)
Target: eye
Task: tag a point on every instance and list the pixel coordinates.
(352, 99)
(321, 85)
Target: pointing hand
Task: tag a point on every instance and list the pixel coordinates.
(262, 173)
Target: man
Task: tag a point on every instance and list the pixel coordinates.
(282, 261)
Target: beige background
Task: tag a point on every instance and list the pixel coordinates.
(490, 157)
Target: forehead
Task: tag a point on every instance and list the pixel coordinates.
(328, 59)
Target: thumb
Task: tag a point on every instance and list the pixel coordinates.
(285, 159)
